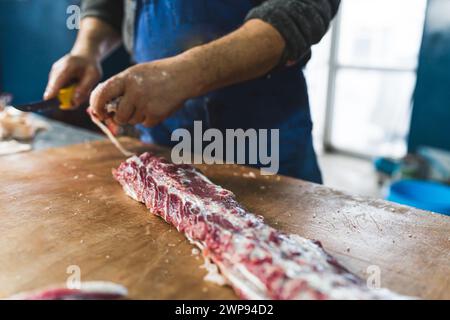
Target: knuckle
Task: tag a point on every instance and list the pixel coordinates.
(110, 83)
(94, 96)
(100, 90)
(57, 64)
(63, 64)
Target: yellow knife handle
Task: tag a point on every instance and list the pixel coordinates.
(65, 96)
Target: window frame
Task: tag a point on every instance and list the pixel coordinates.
(334, 67)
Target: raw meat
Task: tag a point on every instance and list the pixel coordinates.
(94, 290)
(15, 124)
(258, 261)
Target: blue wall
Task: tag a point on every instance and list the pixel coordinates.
(430, 123)
(33, 34)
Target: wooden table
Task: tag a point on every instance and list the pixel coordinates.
(61, 207)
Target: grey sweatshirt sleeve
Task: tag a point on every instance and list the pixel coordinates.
(302, 23)
(109, 11)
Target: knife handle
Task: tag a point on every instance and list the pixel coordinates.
(65, 96)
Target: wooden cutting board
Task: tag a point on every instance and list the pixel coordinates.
(61, 208)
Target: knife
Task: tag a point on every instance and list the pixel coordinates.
(63, 101)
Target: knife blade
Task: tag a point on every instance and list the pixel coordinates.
(44, 105)
(63, 101)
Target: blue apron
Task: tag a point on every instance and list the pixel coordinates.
(279, 100)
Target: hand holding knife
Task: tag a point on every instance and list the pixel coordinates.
(62, 101)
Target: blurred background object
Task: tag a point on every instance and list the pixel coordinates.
(368, 75)
(426, 195)
(431, 112)
(379, 91)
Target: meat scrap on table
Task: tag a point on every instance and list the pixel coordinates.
(17, 125)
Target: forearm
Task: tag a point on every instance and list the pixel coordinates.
(95, 39)
(247, 53)
(302, 23)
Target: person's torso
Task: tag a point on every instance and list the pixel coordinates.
(164, 28)
(279, 100)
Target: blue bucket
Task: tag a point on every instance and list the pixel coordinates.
(424, 195)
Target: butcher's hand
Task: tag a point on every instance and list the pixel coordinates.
(148, 92)
(85, 71)
(95, 40)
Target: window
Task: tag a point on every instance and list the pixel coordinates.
(372, 57)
